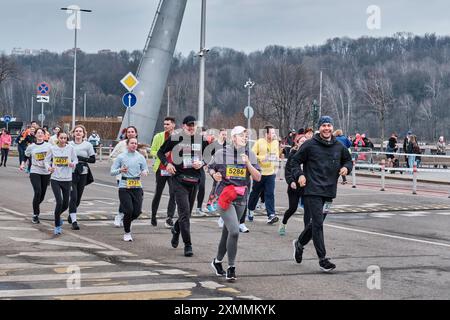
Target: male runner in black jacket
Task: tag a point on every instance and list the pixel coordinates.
(324, 159)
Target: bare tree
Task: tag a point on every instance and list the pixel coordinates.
(8, 69)
(377, 92)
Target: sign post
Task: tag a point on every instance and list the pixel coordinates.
(7, 120)
(43, 90)
(129, 99)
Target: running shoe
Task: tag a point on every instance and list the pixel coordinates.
(298, 251)
(199, 213)
(58, 230)
(220, 222)
(175, 238)
(188, 251)
(127, 237)
(217, 266)
(75, 226)
(231, 274)
(243, 228)
(282, 229)
(169, 223)
(118, 222)
(154, 221)
(326, 265)
(210, 208)
(250, 215)
(35, 219)
(272, 219)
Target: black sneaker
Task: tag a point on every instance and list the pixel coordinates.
(217, 266)
(326, 265)
(175, 238)
(169, 223)
(188, 251)
(154, 221)
(35, 219)
(231, 274)
(272, 219)
(298, 251)
(75, 226)
(69, 219)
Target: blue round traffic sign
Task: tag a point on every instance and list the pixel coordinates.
(7, 119)
(129, 100)
(43, 88)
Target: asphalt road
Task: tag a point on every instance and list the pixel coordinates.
(386, 245)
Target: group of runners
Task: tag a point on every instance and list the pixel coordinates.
(182, 159)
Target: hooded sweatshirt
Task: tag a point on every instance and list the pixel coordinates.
(321, 161)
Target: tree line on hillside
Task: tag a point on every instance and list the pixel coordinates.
(370, 85)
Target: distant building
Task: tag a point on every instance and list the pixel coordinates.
(106, 51)
(27, 52)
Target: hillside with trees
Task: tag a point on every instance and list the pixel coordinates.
(371, 85)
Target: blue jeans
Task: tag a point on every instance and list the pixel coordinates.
(411, 161)
(267, 184)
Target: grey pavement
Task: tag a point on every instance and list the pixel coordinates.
(404, 236)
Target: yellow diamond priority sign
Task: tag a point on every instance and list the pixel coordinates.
(129, 81)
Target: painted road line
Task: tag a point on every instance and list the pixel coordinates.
(18, 229)
(145, 295)
(143, 261)
(104, 245)
(413, 214)
(94, 290)
(9, 218)
(211, 285)
(58, 254)
(58, 265)
(58, 243)
(389, 236)
(117, 253)
(172, 271)
(443, 213)
(83, 276)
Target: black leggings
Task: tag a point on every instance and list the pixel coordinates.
(131, 204)
(201, 189)
(61, 190)
(77, 193)
(4, 156)
(294, 196)
(40, 184)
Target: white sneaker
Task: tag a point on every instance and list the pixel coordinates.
(127, 237)
(118, 220)
(220, 222)
(243, 228)
(199, 213)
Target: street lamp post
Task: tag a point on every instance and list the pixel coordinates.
(201, 54)
(320, 95)
(84, 109)
(315, 114)
(75, 60)
(249, 85)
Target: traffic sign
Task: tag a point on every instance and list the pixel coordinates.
(249, 112)
(43, 88)
(41, 117)
(129, 100)
(7, 119)
(43, 99)
(129, 81)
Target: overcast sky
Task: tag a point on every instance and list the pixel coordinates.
(245, 25)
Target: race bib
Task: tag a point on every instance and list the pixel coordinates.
(196, 147)
(236, 172)
(273, 157)
(61, 161)
(134, 183)
(165, 173)
(39, 156)
(187, 162)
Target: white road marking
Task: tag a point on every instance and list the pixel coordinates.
(84, 276)
(50, 254)
(58, 243)
(389, 235)
(381, 215)
(211, 285)
(9, 218)
(443, 213)
(95, 290)
(57, 265)
(116, 253)
(143, 261)
(413, 214)
(18, 229)
(172, 271)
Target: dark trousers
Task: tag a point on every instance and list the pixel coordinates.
(294, 196)
(201, 189)
(40, 184)
(267, 184)
(21, 151)
(61, 190)
(160, 185)
(313, 219)
(77, 193)
(4, 156)
(131, 204)
(184, 198)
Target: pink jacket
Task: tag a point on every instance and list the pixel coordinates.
(5, 139)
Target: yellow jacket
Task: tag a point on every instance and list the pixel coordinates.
(268, 155)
